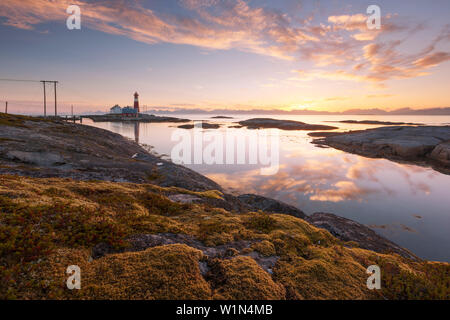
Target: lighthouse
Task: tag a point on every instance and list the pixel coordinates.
(136, 103)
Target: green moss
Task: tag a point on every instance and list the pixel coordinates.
(154, 176)
(262, 222)
(266, 248)
(63, 223)
(291, 244)
(431, 282)
(55, 192)
(167, 272)
(8, 139)
(158, 204)
(243, 278)
(11, 120)
(322, 279)
(15, 120)
(213, 194)
(43, 230)
(214, 232)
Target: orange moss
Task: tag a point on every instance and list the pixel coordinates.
(166, 272)
(242, 278)
(266, 248)
(48, 224)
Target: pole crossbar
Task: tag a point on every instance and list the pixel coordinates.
(44, 82)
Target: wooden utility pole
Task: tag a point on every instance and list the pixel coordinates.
(6, 107)
(45, 97)
(56, 109)
(45, 101)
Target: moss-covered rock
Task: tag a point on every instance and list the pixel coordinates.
(242, 278)
(49, 224)
(266, 248)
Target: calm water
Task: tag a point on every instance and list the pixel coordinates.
(408, 204)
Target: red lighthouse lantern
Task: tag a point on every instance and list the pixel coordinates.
(136, 103)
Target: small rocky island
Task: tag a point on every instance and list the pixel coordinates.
(140, 227)
(423, 145)
(221, 117)
(385, 123)
(266, 123)
(204, 125)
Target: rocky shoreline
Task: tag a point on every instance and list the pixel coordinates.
(44, 149)
(267, 123)
(204, 125)
(144, 228)
(375, 122)
(421, 145)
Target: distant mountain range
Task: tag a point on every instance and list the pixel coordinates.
(402, 111)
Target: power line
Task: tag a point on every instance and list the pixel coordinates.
(19, 80)
(44, 82)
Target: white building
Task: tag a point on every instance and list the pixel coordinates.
(116, 109)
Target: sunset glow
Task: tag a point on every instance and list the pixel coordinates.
(231, 54)
(213, 159)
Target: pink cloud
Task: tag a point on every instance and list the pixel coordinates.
(342, 42)
(432, 60)
(341, 191)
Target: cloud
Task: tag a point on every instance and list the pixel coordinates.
(376, 96)
(343, 190)
(383, 61)
(432, 60)
(335, 75)
(375, 62)
(358, 22)
(349, 22)
(207, 24)
(341, 44)
(197, 4)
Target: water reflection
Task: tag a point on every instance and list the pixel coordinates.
(136, 131)
(388, 196)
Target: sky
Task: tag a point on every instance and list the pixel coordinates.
(226, 54)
